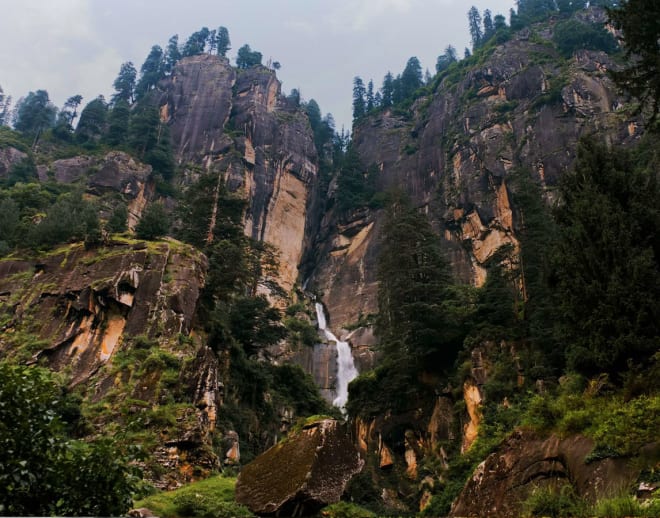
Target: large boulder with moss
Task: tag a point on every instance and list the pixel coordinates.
(525, 463)
(300, 475)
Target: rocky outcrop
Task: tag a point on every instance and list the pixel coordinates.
(114, 172)
(83, 303)
(237, 124)
(525, 462)
(520, 110)
(8, 157)
(303, 473)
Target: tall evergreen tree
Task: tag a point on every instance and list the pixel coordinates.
(143, 129)
(370, 95)
(172, 54)
(607, 264)
(5, 108)
(387, 90)
(474, 24)
(92, 120)
(124, 85)
(413, 290)
(247, 57)
(489, 27)
(35, 113)
(151, 71)
(639, 21)
(446, 59)
(196, 43)
(359, 98)
(223, 43)
(411, 78)
(118, 120)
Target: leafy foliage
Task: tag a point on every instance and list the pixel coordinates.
(155, 222)
(572, 35)
(42, 470)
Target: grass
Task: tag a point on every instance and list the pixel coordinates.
(196, 499)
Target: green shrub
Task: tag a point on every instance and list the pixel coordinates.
(624, 506)
(346, 510)
(554, 502)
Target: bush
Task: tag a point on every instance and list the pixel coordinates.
(346, 510)
(42, 470)
(573, 35)
(154, 224)
(554, 502)
(624, 506)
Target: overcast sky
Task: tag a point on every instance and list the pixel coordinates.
(71, 47)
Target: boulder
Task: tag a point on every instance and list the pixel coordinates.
(525, 461)
(302, 474)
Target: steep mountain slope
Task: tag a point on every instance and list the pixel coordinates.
(515, 107)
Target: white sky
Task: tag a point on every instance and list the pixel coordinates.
(71, 47)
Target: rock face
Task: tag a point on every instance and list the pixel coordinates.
(238, 125)
(83, 303)
(525, 462)
(115, 172)
(8, 157)
(302, 473)
(522, 109)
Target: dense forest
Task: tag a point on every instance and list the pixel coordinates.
(569, 320)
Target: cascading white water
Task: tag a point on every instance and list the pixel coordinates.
(346, 371)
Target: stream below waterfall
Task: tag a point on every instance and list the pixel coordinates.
(346, 371)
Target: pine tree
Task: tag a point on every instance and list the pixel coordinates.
(639, 21)
(370, 96)
(124, 85)
(413, 292)
(118, 121)
(172, 54)
(607, 263)
(489, 27)
(387, 90)
(474, 24)
(35, 113)
(151, 71)
(359, 98)
(223, 42)
(91, 126)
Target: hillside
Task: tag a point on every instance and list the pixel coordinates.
(486, 248)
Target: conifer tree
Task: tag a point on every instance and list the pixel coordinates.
(474, 24)
(607, 264)
(387, 90)
(359, 98)
(124, 85)
(639, 21)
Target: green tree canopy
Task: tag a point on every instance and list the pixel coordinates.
(151, 71)
(124, 85)
(43, 472)
(154, 223)
(196, 43)
(91, 125)
(35, 113)
(607, 265)
(247, 57)
(222, 41)
(639, 20)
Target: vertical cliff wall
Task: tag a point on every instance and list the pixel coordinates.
(236, 123)
(522, 108)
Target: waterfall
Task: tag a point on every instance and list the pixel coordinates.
(346, 371)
